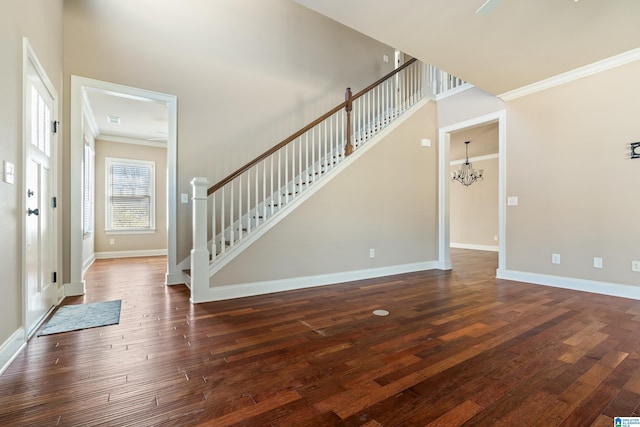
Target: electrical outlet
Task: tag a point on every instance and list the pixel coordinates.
(112, 241)
(635, 266)
(372, 253)
(555, 258)
(597, 262)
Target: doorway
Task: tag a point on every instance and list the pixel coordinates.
(444, 152)
(40, 118)
(473, 215)
(80, 89)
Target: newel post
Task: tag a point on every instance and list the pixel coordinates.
(199, 253)
(348, 99)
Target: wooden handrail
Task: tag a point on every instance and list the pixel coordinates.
(387, 77)
(314, 123)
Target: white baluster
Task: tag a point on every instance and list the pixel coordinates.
(214, 250)
(313, 154)
(326, 154)
(271, 184)
(338, 133)
(286, 172)
(249, 201)
(306, 160)
(299, 164)
(231, 204)
(264, 190)
(223, 214)
(257, 183)
(240, 227)
(279, 179)
(369, 124)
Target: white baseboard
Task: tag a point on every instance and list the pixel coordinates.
(175, 279)
(475, 247)
(219, 293)
(130, 254)
(444, 265)
(88, 263)
(10, 349)
(74, 289)
(59, 293)
(604, 288)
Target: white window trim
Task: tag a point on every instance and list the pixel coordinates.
(90, 174)
(152, 226)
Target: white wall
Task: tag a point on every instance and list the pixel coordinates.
(88, 241)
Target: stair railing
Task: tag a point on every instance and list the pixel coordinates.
(243, 201)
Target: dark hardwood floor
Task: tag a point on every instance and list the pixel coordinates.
(457, 348)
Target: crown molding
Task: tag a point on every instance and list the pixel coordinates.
(475, 159)
(129, 140)
(578, 73)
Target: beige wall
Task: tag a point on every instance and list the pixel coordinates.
(130, 242)
(246, 73)
(41, 22)
(386, 200)
(568, 162)
(474, 209)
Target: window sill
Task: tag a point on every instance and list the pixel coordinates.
(141, 231)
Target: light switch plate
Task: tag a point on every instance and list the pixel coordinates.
(512, 201)
(597, 262)
(9, 172)
(184, 198)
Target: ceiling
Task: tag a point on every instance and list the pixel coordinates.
(519, 42)
(141, 120)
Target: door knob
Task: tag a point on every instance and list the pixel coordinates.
(33, 211)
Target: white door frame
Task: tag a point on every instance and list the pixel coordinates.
(29, 59)
(76, 284)
(444, 134)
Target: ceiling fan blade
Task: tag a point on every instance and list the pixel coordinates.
(488, 7)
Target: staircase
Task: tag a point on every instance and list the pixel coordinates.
(250, 201)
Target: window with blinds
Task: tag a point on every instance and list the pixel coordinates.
(130, 195)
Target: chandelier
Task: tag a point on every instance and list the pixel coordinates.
(467, 175)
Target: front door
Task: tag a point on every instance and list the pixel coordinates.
(39, 227)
